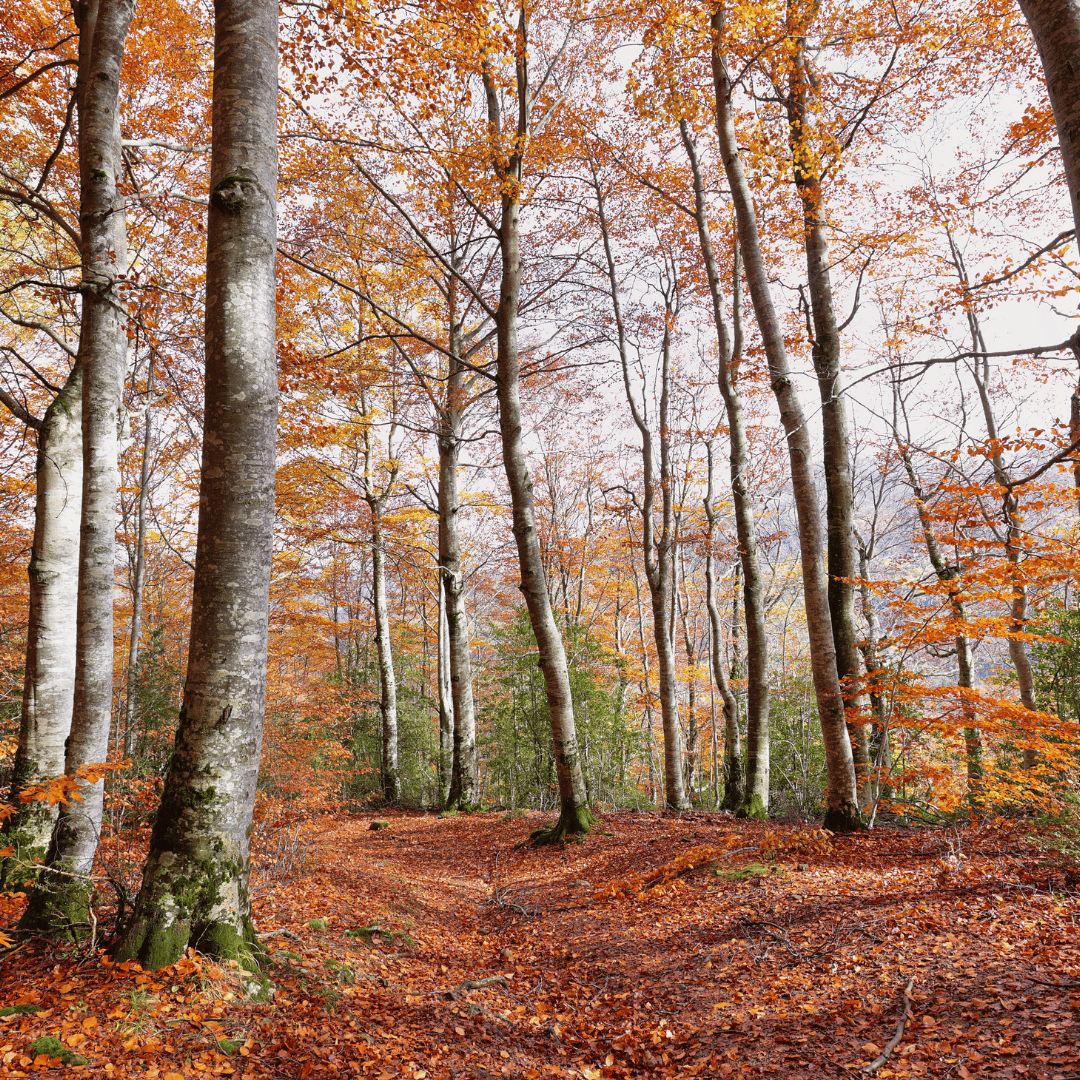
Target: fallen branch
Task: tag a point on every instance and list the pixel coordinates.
(1056, 985)
(474, 984)
(900, 1028)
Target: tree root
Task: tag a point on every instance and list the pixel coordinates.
(844, 818)
(574, 822)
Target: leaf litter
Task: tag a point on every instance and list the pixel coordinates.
(659, 946)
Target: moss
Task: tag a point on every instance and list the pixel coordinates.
(58, 907)
(51, 1045)
(574, 822)
(754, 809)
(19, 1010)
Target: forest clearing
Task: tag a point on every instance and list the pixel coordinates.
(441, 948)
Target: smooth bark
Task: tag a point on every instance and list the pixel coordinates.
(463, 783)
(58, 905)
(446, 700)
(49, 674)
(733, 771)
(1055, 25)
(657, 547)
(754, 791)
(138, 576)
(507, 163)
(842, 798)
(836, 453)
(195, 882)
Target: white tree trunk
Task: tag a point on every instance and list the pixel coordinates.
(195, 883)
(49, 678)
(58, 904)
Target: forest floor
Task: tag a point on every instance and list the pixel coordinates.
(750, 950)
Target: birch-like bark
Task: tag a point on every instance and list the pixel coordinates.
(59, 902)
(842, 798)
(138, 583)
(49, 674)
(756, 789)
(391, 783)
(195, 882)
(836, 452)
(462, 792)
(733, 774)
(574, 816)
(446, 701)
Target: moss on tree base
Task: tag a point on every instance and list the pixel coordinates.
(754, 809)
(158, 946)
(574, 820)
(58, 908)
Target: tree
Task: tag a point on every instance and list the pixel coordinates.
(59, 901)
(1055, 25)
(843, 809)
(376, 497)
(507, 152)
(657, 477)
(733, 766)
(754, 791)
(195, 882)
(49, 673)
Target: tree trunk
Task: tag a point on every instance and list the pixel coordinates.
(59, 902)
(574, 816)
(195, 882)
(657, 551)
(446, 702)
(843, 809)
(462, 793)
(1055, 25)
(733, 774)
(836, 454)
(138, 584)
(754, 798)
(391, 782)
(49, 678)
(946, 573)
(692, 733)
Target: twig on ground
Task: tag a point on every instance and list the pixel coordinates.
(900, 1028)
(474, 984)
